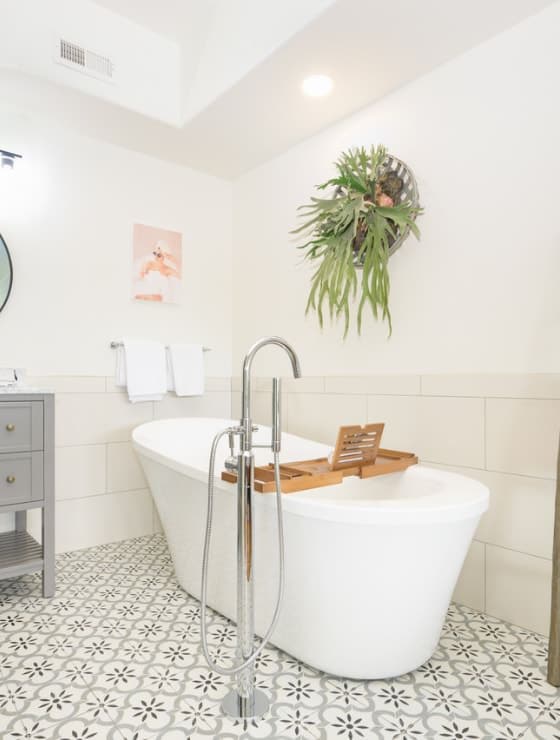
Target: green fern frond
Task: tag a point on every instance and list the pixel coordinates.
(349, 230)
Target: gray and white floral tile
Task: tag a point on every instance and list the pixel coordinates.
(115, 655)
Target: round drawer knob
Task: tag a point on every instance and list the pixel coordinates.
(10, 427)
(11, 479)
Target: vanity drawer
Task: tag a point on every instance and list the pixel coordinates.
(21, 426)
(21, 477)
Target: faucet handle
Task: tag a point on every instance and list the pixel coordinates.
(276, 415)
(230, 462)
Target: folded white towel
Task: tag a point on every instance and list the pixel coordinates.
(170, 378)
(142, 367)
(120, 367)
(186, 365)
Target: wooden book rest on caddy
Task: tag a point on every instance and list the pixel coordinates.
(356, 452)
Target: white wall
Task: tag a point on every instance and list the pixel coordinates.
(66, 213)
(480, 291)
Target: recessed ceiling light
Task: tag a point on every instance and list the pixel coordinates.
(317, 85)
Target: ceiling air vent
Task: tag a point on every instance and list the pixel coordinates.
(79, 58)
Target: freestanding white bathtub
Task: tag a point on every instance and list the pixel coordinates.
(370, 564)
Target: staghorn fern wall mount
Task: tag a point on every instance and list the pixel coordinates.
(351, 235)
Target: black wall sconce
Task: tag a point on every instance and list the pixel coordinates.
(7, 159)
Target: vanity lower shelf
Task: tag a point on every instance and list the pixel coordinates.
(20, 553)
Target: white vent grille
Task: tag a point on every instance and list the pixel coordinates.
(77, 57)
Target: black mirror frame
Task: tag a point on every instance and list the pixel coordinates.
(2, 242)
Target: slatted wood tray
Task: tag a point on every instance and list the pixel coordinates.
(293, 476)
(353, 455)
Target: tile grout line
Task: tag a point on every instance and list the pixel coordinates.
(422, 390)
(517, 552)
(106, 493)
(486, 470)
(511, 549)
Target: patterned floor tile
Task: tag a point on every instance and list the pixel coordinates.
(115, 655)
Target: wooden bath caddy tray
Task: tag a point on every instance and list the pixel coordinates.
(357, 452)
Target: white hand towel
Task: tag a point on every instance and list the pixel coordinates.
(187, 369)
(120, 367)
(170, 378)
(146, 370)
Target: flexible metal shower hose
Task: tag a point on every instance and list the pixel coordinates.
(207, 537)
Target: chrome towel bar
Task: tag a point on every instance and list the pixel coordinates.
(114, 345)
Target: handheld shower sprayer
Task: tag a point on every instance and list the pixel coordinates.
(244, 700)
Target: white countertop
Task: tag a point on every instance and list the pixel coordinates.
(14, 390)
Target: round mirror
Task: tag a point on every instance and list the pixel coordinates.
(6, 273)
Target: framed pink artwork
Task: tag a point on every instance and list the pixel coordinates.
(157, 264)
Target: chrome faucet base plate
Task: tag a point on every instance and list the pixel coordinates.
(240, 707)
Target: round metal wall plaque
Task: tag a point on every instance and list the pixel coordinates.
(6, 273)
(404, 190)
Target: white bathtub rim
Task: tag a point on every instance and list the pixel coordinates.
(469, 497)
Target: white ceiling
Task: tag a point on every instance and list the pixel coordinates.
(370, 47)
(174, 19)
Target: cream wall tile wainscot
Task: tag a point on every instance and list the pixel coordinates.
(97, 520)
(81, 471)
(439, 429)
(518, 588)
(124, 472)
(508, 443)
(484, 385)
(306, 384)
(522, 436)
(521, 513)
(91, 418)
(261, 408)
(387, 385)
(216, 403)
(470, 589)
(102, 495)
(318, 416)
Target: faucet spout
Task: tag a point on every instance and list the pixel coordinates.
(247, 364)
(279, 342)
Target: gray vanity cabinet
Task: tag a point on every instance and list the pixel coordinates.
(27, 482)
